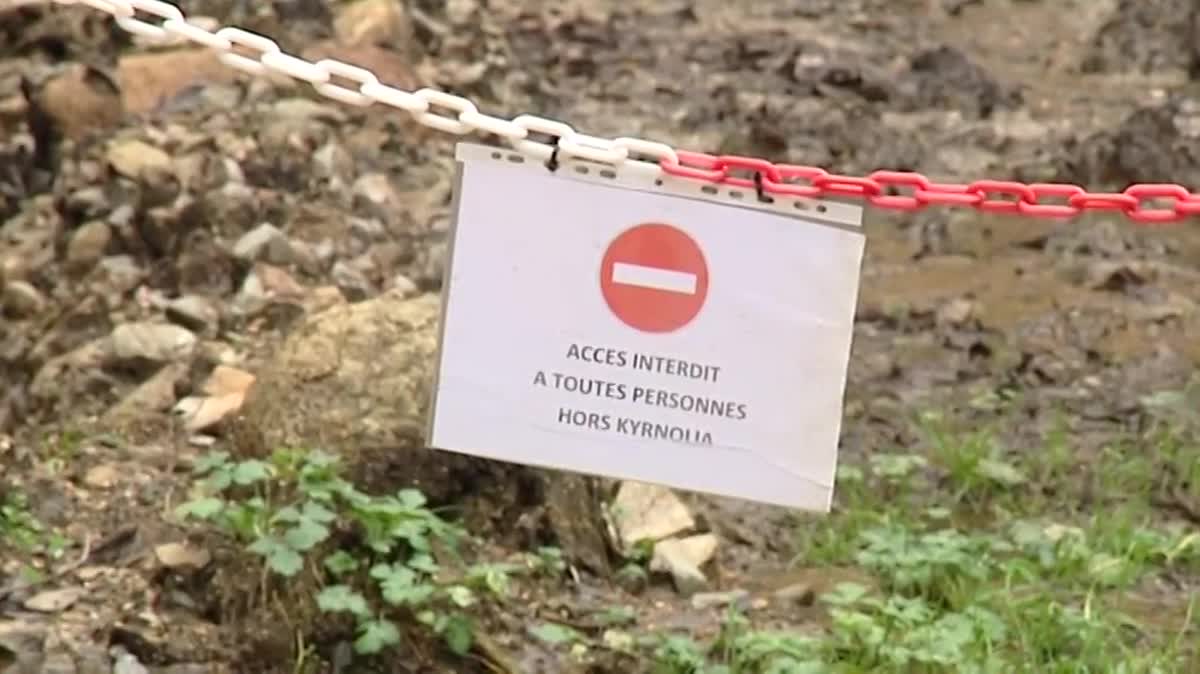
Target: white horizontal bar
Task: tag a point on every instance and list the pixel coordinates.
(654, 277)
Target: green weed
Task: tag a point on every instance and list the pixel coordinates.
(982, 561)
(21, 530)
(988, 561)
(375, 557)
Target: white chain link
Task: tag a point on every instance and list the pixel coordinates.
(337, 92)
(426, 106)
(160, 9)
(542, 151)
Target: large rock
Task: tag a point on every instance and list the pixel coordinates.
(1157, 143)
(355, 379)
(352, 376)
(1147, 37)
(373, 22)
(148, 80)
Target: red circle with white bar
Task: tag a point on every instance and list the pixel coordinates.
(654, 277)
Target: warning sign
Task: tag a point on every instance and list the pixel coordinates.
(654, 277)
(620, 327)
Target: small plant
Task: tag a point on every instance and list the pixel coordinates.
(375, 556)
(633, 571)
(18, 527)
(899, 631)
(940, 566)
(675, 654)
(547, 560)
(22, 531)
(974, 569)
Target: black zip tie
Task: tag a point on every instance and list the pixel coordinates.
(758, 186)
(552, 162)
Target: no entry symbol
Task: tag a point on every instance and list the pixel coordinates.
(654, 278)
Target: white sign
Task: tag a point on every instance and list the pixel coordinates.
(646, 329)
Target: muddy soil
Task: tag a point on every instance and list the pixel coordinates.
(163, 218)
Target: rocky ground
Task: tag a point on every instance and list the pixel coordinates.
(192, 260)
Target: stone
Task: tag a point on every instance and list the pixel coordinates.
(151, 397)
(352, 282)
(946, 76)
(179, 555)
(682, 559)
(265, 283)
(647, 512)
(136, 159)
(312, 392)
(22, 300)
(305, 110)
(706, 600)
(195, 313)
(373, 22)
(53, 601)
(332, 161)
(405, 286)
(78, 100)
(156, 342)
(278, 283)
(376, 188)
(127, 663)
(386, 256)
(802, 593)
(204, 413)
(461, 12)
(429, 269)
(251, 296)
(698, 550)
(70, 372)
(104, 476)
(322, 298)
(234, 205)
(1117, 276)
(233, 171)
(1145, 37)
(13, 267)
(325, 252)
(119, 273)
(305, 255)
(88, 244)
(264, 243)
(149, 79)
(367, 230)
(955, 312)
(225, 380)
(120, 217)
(687, 579)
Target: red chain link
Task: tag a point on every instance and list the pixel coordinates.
(992, 196)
